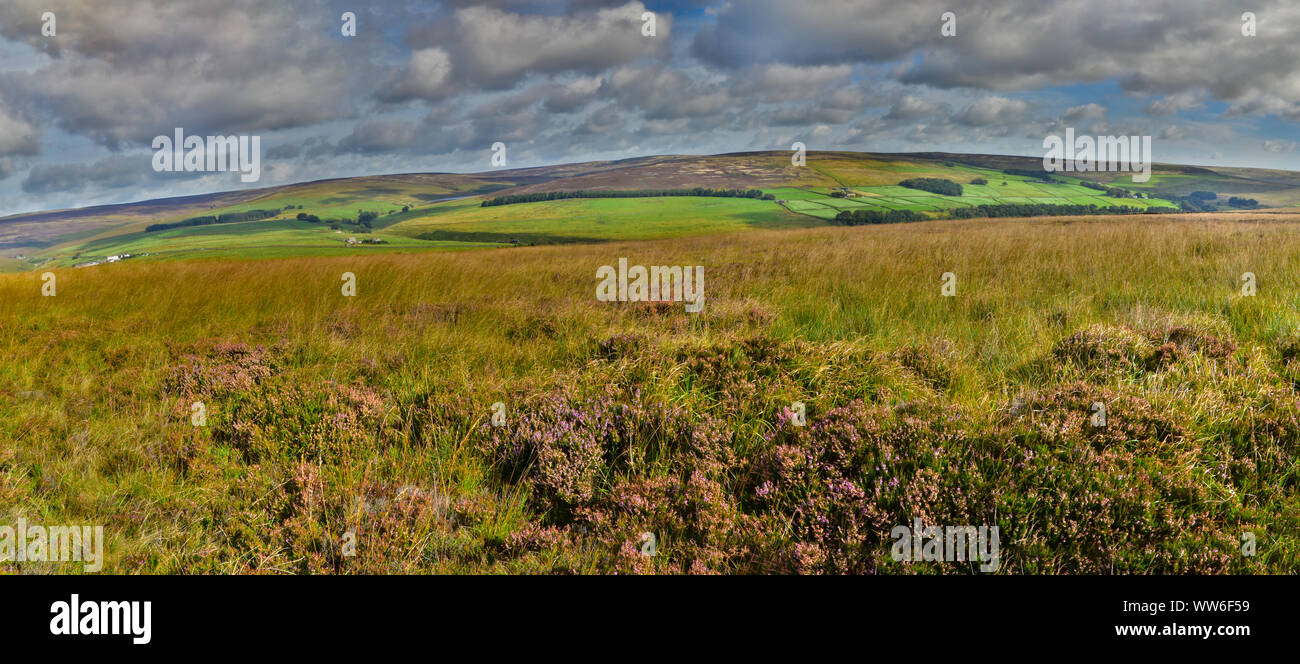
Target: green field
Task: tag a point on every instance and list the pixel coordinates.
(443, 211)
(595, 219)
(818, 202)
(251, 239)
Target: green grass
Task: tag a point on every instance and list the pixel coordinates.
(817, 201)
(252, 239)
(596, 219)
(330, 415)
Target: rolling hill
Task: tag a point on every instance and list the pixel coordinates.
(441, 211)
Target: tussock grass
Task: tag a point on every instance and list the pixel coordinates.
(369, 415)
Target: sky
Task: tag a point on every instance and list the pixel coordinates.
(430, 86)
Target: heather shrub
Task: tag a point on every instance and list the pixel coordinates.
(1258, 442)
(220, 369)
(620, 346)
(299, 517)
(319, 422)
(759, 377)
(607, 467)
(1066, 499)
(1125, 496)
(827, 495)
(1193, 339)
(1066, 412)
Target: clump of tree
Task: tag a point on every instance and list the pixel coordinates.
(1113, 192)
(979, 181)
(303, 216)
(1037, 175)
(1243, 202)
(863, 217)
(1197, 201)
(933, 185)
(228, 218)
(1045, 210)
(626, 193)
(366, 219)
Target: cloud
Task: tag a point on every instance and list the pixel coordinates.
(427, 76)
(814, 32)
(17, 136)
(112, 173)
(914, 108)
(1172, 133)
(1089, 111)
(492, 48)
(1276, 145)
(603, 121)
(379, 136)
(781, 82)
(573, 95)
(1170, 104)
(988, 111)
(123, 72)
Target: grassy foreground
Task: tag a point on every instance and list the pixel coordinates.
(330, 417)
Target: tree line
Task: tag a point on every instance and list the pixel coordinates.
(364, 222)
(1045, 210)
(1113, 192)
(933, 185)
(625, 193)
(863, 217)
(1045, 176)
(227, 218)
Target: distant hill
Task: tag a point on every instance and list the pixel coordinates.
(438, 210)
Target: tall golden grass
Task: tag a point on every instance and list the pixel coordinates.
(90, 419)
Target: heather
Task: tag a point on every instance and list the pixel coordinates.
(368, 419)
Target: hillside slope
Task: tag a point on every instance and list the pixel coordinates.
(439, 210)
